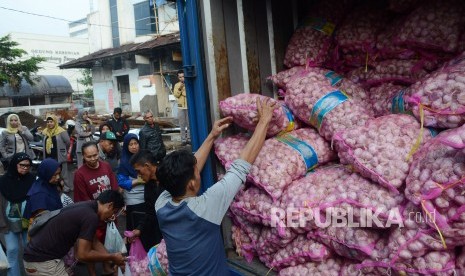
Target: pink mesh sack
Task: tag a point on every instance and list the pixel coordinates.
(329, 192)
(162, 256)
(329, 267)
(402, 6)
(242, 243)
(355, 91)
(323, 106)
(433, 25)
(433, 263)
(300, 251)
(460, 262)
(228, 148)
(436, 183)
(388, 98)
(350, 242)
(270, 242)
(381, 150)
(243, 109)
(385, 47)
(285, 158)
(415, 238)
(254, 205)
(439, 99)
(396, 71)
(311, 40)
(359, 30)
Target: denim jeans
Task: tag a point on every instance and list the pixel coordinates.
(14, 242)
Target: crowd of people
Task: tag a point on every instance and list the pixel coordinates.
(119, 173)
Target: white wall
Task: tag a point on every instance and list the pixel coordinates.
(133, 75)
(57, 50)
(167, 19)
(100, 27)
(127, 32)
(103, 89)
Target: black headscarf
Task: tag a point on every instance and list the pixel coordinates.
(13, 186)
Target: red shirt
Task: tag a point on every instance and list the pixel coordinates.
(89, 183)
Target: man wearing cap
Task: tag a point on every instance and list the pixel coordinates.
(119, 126)
(106, 149)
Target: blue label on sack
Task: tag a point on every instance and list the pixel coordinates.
(398, 104)
(333, 77)
(433, 132)
(290, 118)
(154, 264)
(307, 152)
(289, 115)
(324, 105)
(321, 25)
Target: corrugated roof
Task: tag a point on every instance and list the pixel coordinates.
(88, 61)
(48, 84)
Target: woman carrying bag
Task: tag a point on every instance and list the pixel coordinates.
(56, 144)
(14, 185)
(133, 185)
(15, 139)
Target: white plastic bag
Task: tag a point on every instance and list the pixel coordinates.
(127, 271)
(113, 241)
(4, 265)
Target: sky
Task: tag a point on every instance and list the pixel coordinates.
(14, 21)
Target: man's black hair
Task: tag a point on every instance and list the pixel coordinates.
(110, 196)
(88, 144)
(117, 110)
(144, 156)
(180, 71)
(176, 170)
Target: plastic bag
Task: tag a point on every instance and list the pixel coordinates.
(127, 271)
(113, 241)
(138, 261)
(4, 265)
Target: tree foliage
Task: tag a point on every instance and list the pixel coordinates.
(86, 81)
(14, 68)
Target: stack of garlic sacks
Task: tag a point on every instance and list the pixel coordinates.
(372, 118)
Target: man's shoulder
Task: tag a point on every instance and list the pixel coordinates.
(162, 200)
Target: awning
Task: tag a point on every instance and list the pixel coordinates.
(132, 48)
(49, 84)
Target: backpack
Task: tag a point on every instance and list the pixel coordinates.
(41, 220)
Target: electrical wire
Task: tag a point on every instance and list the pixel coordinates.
(69, 21)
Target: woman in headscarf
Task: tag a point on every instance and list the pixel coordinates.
(129, 181)
(56, 144)
(15, 139)
(84, 131)
(14, 185)
(44, 194)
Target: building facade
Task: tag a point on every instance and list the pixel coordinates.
(135, 53)
(79, 28)
(56, 50)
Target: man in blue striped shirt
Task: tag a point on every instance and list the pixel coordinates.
(190, 224)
